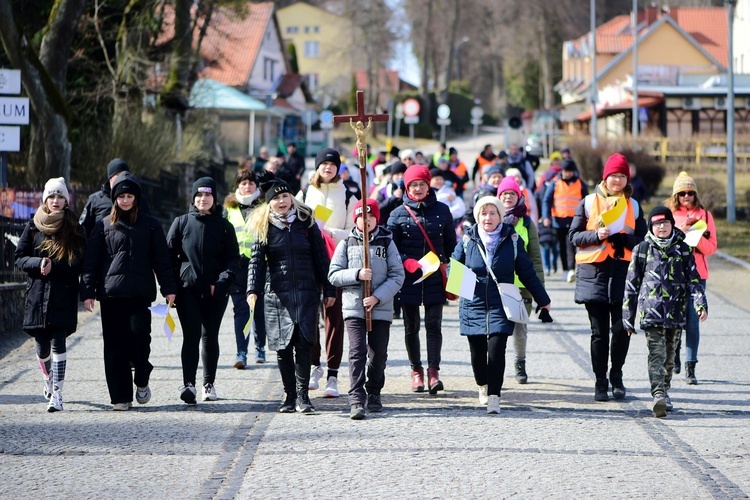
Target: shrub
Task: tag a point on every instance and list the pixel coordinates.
(711, 192)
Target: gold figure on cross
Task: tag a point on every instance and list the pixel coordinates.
(360, 131)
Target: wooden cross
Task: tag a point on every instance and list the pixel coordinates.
(357, 122)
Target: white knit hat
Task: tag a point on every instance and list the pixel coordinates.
(56, 186)
(488, 200)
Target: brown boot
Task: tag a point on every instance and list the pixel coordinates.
(417, 380)
(435, 383)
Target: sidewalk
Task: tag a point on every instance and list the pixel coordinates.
(551, 440)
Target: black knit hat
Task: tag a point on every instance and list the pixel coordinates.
(126, 183)
(436, 172)
(398, 168)
(274, 188)
(569, 165)
(328, 154)
(116, 166)
(659, 213)
(204, 185)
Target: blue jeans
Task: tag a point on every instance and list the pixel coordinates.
(692, 330)
(242, 315)
(550, 254)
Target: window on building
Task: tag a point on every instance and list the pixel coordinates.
(312, 49)
(316, 29)
(312, 81)
(269, 69)
(307, 29)
(292, 30)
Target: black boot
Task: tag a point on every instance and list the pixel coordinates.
(618, 390)
(521, 376)
(601, 390)
(677, 364)
(288, 405)
(303, 403)
(690, 373)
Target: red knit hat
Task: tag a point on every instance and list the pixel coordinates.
(417, 173)
(616, 164)
(372, 207)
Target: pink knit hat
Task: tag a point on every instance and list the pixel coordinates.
(508, 184)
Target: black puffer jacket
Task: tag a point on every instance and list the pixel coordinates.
(204, 252)
(121, 260)
(436, 219)
(290, 269)
(100, 205)
(51, 302)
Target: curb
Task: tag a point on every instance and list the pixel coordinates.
(733, 260)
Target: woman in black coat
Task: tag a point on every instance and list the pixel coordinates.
(205, 254)
(50, 251)
(289, 266)
(436, 219)
(123, 252)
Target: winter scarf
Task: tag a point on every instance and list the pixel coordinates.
(490, 240)
(247, 200)
(48, 222)
(282, 221)
(512, 215)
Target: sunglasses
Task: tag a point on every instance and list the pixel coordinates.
(686, 193)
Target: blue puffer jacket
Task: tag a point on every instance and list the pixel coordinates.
(436, 219)
(484, 314)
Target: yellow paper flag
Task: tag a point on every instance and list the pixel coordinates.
(323, 213)
(169, 326)
(429, 264)
(614, 218)
(695, 233)
(249, 325)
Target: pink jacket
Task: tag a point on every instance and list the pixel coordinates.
(706, 246)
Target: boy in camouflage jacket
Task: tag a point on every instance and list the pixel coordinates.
(661, 277)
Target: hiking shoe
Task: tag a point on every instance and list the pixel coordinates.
(600, 390)
(122, 406)
(374, 405)
(357, 412)
(493, 404)
(668, 402)
(659, 407)
(240, 361)
(618, 389)
(143, 395)
(690, 373)
(483, 398)
(332, 388)
(304, 405)
(288, 405)
(521, 376)
(187, 393)
(315, 375)
(435, 383)
(260, 356)
(55, 402)
(209, 392)
(417, 380)
(49, 388)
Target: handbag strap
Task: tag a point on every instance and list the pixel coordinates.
(514, 238)
(421, 228)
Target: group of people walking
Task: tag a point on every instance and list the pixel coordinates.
(285, 255)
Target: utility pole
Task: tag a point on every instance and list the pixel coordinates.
(594, 85)
(636, 117)
(731, 213)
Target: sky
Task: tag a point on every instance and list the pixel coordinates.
(403, 59)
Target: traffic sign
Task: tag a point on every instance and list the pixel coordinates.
(476, 121)
(411, 120)
(10, 139)
(326, 116)
(411, 107)
(443, 121)
(444, 111)
(14, 110)
(10, 81)
(477, 112)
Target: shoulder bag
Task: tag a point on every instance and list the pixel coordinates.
(513, 305)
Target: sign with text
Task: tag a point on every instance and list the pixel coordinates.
(10, 81)
(10, 139)
(14, 110)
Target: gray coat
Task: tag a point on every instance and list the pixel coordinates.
(387, 273)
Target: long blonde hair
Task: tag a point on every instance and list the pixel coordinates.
(257, 223)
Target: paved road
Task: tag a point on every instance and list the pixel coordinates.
(551, 440)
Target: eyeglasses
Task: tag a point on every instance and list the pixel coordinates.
(686, 193)
(662, 223)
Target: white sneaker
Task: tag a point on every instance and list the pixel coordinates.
(122, 406)
(209, 393)
(493, 404)
(55, 402)
(571, 276)
(483, 398)
(143, 394)
(49, 387)
(332, 388)
(315, 377)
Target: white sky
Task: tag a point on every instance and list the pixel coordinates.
(403, 59)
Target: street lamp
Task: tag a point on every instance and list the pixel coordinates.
(457, 48)
(731, 214)
(594, 84)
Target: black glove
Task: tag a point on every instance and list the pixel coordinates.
(543, 315)
(618, 241)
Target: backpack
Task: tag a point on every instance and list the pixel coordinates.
(349, 195)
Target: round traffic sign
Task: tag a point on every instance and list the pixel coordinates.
(411, 107)
(477, 112)
(326, 116)
(444, 111)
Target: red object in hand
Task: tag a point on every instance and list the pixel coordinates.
(412, 265)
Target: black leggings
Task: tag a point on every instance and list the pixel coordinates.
(52, 343)
(200, 318)
(488, 360)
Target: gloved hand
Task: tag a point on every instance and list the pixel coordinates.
(543, 315)
(412, 266)
(618, 241)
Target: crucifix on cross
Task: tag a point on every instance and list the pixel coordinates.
(357, 122)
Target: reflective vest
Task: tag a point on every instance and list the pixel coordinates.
(526, 197)
(244, 239)
(484, 162)
(566, 198)
(595, 205)
(523, 232)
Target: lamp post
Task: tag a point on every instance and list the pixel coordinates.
(731, 213)
(594, 85)
(636, 117)
(457, 48)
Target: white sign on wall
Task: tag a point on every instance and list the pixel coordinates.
(10, 139)
(10, 81)
(14, 110)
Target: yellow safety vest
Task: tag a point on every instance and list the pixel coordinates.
(600, 252)
(244, 239)
(566, 198)
(523, 232)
